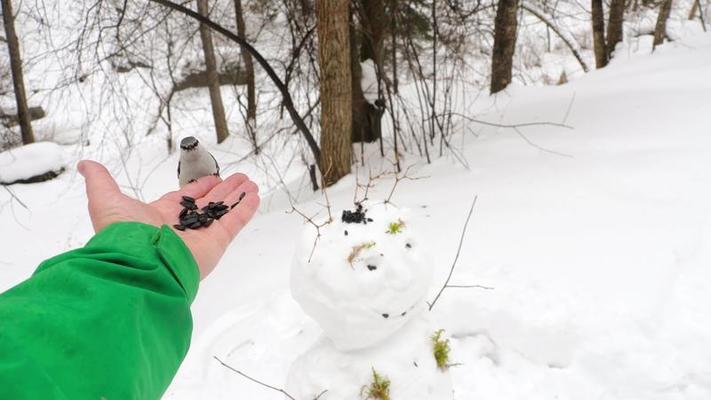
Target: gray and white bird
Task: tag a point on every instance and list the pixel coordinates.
(195, 162)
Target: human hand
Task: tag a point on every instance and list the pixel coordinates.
(108, 205)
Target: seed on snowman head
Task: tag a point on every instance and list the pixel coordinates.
(408, 245)
(403, 313)
(354, 217)
(386, 315)
(372, 267)
(345, 233)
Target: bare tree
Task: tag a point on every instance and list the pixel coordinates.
(249, 73)
(18, 80)
(692, 13)
(336, 113)
(598, 27)
(218, 109)
(505, 27)
(660, 32)
(614, 25)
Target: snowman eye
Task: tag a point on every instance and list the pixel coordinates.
(408, 245)
(372, 267)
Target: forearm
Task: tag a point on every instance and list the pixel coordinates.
(110, 320)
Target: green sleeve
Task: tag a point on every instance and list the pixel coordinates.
(107, 321)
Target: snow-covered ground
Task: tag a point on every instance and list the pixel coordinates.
(596, 242)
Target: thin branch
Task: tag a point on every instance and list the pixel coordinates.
(511, 126)
(14, 196)
(555, 29)
(470, 287)
(280, 390)
(287, 100)
(539, 147)
(456, 257)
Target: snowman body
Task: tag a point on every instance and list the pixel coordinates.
(365, 284)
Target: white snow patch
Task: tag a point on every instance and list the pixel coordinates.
(30, 160)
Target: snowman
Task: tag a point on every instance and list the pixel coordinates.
(365, 284)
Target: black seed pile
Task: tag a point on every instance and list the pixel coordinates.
(192, 218)
(355, 217)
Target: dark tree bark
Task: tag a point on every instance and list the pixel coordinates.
(18, 80)
(660, 32)
(614, 25)
(598, 27)
(218, 109)
(251, 122)
(505, 27)
(336, 113)
(366, 116)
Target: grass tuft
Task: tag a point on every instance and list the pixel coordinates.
(379, 389)
(441, 349)
(395, 227)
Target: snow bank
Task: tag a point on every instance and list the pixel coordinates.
(30, 161)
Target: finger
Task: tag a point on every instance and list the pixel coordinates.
(99, 183)
(195, 189)
(220, 192)
(242, 213)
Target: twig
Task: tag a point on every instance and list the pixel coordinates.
(521, 125)
(14, 196)
(456, 257)
(471, 286)
(284, 392)
(570, 107)
(399, 178)
(539, 147)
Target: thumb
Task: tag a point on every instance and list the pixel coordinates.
(98, 180)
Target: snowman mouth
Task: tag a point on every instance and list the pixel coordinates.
(402, 314)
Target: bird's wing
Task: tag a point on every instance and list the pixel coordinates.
(217, 166)
(178, 169)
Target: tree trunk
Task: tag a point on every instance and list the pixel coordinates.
(505, 27)
(614, 25)
(18, 80)
(218, 110)
(249, 72)
(366, 116)
(598, 26)
(334, 52)
(660, 32)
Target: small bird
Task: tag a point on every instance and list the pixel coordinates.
(195, 162)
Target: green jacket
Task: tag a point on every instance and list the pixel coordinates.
(108, 321)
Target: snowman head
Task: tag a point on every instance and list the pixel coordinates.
(367, 276)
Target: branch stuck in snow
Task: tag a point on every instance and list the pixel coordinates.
(454, 264)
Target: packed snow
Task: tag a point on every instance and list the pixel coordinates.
(31, 160)
(362, 280)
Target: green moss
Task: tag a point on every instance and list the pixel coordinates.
(395, 227)
(441, 349)
(379, 389)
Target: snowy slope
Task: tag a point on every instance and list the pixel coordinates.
(598, 258)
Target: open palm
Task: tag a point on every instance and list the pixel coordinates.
(108, 205)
